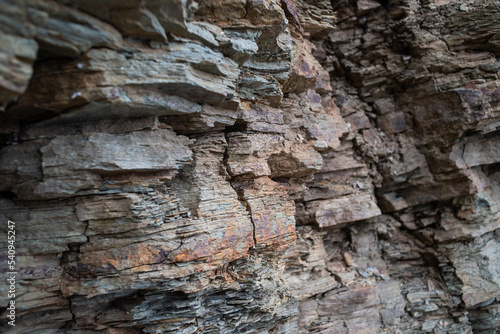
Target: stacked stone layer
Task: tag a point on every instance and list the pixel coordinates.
(289, 166)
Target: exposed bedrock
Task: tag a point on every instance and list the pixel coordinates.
(247, 166)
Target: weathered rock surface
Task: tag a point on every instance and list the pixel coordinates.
(288, 166)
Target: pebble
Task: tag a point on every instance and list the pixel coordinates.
(348, 259)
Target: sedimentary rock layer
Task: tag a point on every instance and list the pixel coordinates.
(290, 166)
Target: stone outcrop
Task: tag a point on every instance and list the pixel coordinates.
(289, 166)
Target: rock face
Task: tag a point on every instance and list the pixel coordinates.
(290, 166)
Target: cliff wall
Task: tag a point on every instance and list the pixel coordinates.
(251, 166)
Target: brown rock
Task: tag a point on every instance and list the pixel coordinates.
(348, 259)
(237, 166)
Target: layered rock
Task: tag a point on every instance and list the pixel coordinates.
(416, 85)
(252, 166)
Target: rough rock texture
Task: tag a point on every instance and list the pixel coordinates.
(247, 166)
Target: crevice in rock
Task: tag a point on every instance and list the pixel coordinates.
(71, 323)
(247, 207)
(234, 183)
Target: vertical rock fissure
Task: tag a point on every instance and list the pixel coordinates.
(245, 204)
(239, 191)
(70, 307)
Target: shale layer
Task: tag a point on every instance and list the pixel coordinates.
(251, 166)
